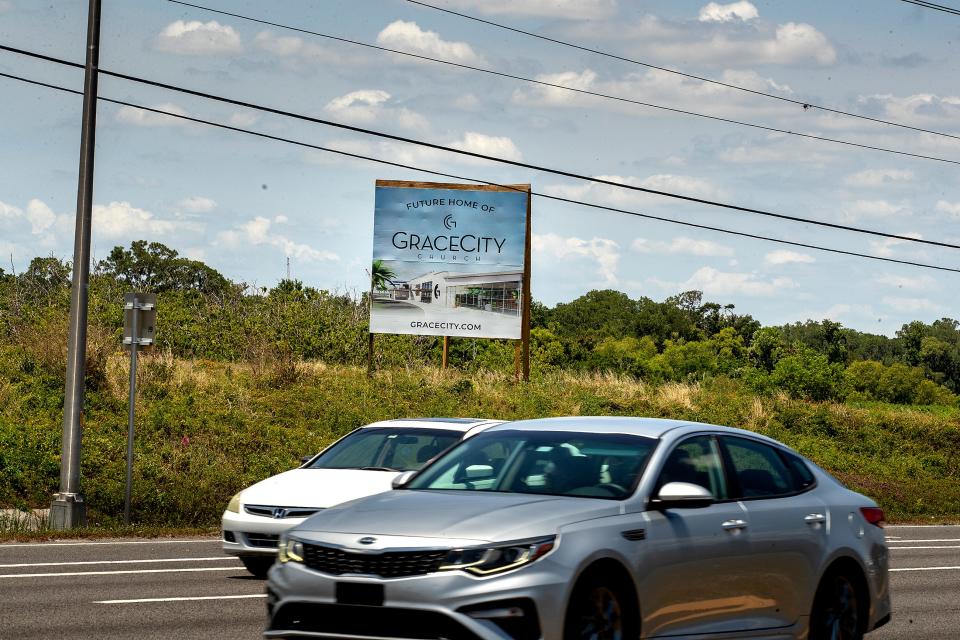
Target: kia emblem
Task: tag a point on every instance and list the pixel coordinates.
(367, 540)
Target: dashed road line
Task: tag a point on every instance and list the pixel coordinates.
(183, 599)
(108, 573)
(925, 569)
(952, 546)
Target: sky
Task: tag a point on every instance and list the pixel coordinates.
(245, 205)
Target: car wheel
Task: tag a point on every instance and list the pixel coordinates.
(837, 609)
(257, 565)
(600, 608)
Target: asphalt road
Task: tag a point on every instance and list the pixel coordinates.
(187, 589)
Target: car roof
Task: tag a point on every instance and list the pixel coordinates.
(451, 424)
(647, 427)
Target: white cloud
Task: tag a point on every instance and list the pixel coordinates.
(560, 9)
(788, 257)
(259, 232)
(605, 252)
(720, 283)
(949, 208)
(123, 220)
(742, 10)
(617, 197)
(919, 109)
(369, 105)
(143, 118)
(884, 248)
(684, 246)
(878, 177)
(197, 204)
(911, 305)
(920, 283)
(410, 154)
(9, 212)
(657, 87)
(199, 38)
(243, 119)
(41, 217)
(500, 146)
(297, 53)
(409, 37)
(874, 209)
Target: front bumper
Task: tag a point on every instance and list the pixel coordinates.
(302, 603)
(249, 535)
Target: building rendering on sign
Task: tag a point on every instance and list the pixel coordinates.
(450, 260)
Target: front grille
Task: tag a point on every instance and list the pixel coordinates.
(367, 622)
(265, 540)
(271, 511)
(390, 564)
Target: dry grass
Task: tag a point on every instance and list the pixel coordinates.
(676, 394)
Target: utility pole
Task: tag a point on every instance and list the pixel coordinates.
(288, 267)
(68, 509)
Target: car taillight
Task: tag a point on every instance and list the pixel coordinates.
(874, 515)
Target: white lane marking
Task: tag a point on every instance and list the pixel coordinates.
(949, 546)
(922, 526)
(184, 599)
(86, 562)
(84, 544)
(927, 569)
(108, 573)
(906, 540)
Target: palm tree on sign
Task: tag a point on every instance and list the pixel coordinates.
(381, 275)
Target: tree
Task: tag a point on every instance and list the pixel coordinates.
(808, 374)
(157, 268)
(766, 348)
(381, 275)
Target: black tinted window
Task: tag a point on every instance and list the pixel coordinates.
(697, 461)
(760, 471)
(402, 449)
(802, 477)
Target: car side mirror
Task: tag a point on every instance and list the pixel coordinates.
(401, 480)
(682, 495)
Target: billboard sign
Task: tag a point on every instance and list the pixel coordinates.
(449, 259)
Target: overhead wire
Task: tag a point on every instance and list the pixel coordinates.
(801, 103)
(934, 6)
(547, 196)
(482, 156)
(588, 92)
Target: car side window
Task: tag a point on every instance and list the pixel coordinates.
(760, 470)
(803, 479)
(696, 460)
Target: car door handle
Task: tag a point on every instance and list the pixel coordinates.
(815, 518)
(731, 525)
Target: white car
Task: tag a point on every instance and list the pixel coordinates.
(361, 463)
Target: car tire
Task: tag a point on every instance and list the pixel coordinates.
(258, 566)
(601, 607)
(839, 611)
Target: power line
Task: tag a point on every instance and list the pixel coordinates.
(547, 196)
(482, 156)
(597, 94)
(800, 103)
(934, 6)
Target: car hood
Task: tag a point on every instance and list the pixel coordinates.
(466, 515)
(319, 488)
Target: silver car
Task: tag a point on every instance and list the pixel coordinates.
(592, 528)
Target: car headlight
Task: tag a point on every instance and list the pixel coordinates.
(289, 549)
(486, 560)
(234, 504)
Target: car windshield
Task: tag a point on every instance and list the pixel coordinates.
(386, 449)
(589, 465)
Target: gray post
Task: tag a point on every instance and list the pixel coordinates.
(68, 509)
(132, 408)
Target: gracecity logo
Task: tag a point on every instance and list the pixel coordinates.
(449, 222)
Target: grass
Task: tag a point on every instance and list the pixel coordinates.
(207, 429)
